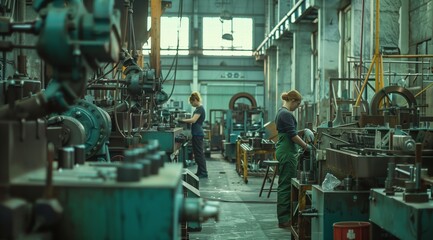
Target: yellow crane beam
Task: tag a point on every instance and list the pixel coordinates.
(155, 33)
(377, 61)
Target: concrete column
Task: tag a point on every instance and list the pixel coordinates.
(301, 72)
(389, 22)
(195, 85)
(270, 79)
(271, 15)
(204, 94)
(329, 52)
(367, 52)
(404, 27)
(284, 71)
(283, 8)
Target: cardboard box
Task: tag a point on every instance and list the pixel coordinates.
(271, 132)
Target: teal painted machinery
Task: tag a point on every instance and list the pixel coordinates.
(404, 220)
(336, 206)
(73, 41)
(141, 198)
(97, 126)
(99, 202)
(167, 139)
(84, 123)
(94, 208)
(239, 122)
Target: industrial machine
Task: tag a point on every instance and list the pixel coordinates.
(380, 165)
(239, 119)
(48, 189)
(87, 120)
(216, 125)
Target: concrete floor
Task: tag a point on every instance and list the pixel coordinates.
(243, 214)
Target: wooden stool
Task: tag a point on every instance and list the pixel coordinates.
(273, 166)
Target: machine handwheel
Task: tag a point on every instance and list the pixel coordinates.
(392, 97)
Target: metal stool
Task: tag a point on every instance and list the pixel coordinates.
(270, 165)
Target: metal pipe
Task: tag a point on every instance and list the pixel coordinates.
(22, 59)
(378, 80)
(418, 168)
(358, 99)
(309, 214)
(122, 81)
(311, 159)
(393, 61)
(104, 87)
(402, 171)
(22, 28)
(391, 169)
(418, 165)
(335, 138)
(423, 90)
(409, 56)
(362, 38)
(125, 22)
(389, 181)
(382, 78)
(49, 172)
(412, 173)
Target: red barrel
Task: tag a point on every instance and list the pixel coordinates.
(352, 231)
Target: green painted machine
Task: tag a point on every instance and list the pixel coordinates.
(98, 208)
(94, 205)
(142, 197)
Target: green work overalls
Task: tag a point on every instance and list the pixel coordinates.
(287, 156)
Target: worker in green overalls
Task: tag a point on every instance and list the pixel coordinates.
(287, 153)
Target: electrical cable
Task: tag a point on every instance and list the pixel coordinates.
(174, 79)
(115, 107)
(236, 201)
(99, 78)
(175, 60)
(174, 63)
(171, 67)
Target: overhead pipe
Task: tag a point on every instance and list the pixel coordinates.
(194, 85)
(22, 58)
(362, 38)
(377, 61)
(379, 70)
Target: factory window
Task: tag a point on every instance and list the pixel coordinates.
(174, 36)
(227, 37)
